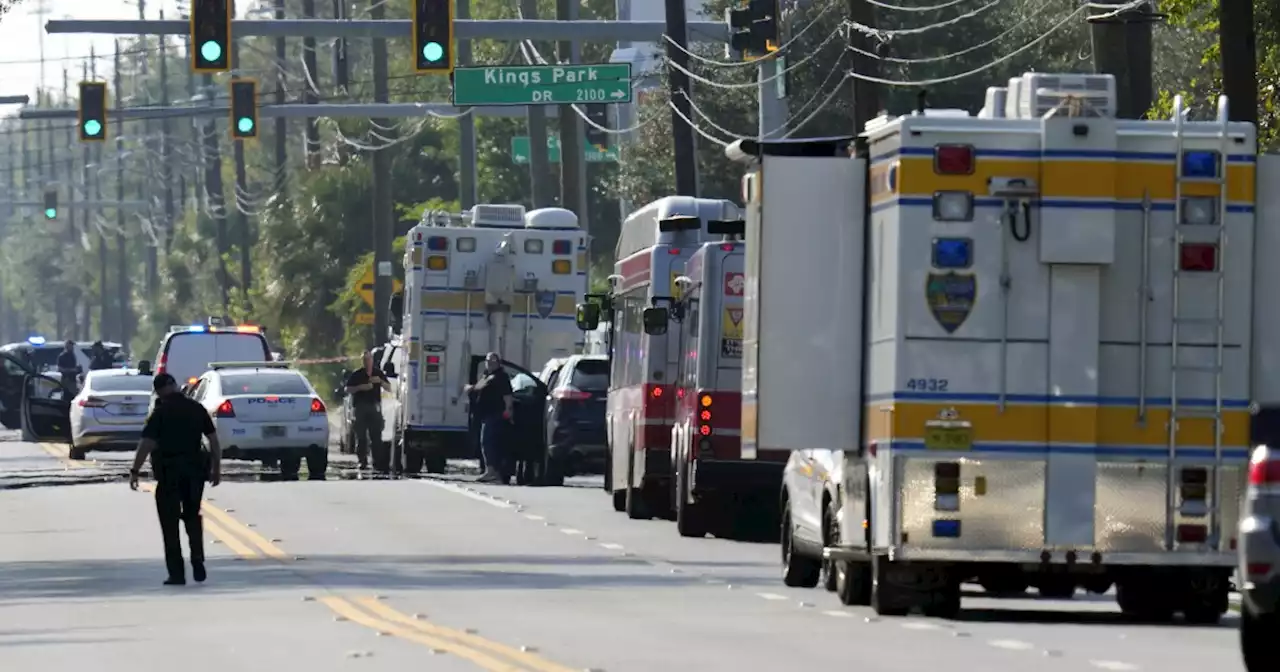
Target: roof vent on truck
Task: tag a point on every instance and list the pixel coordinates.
(498, 216)
(551, 219)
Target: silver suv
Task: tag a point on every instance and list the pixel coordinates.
(1260, 563)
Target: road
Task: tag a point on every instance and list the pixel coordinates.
(447, 575)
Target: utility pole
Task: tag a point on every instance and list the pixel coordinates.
(684, 147)
(120, 221)
(866, 95)
(74, 296)
(241, 201)
(382, 206)
(104, 319)
(213, 192)
(281, 125)
(467, 193)
(122, 323)
(197, 135)
(166, 156)
(573, 175)
(1122, 48)
(340, 54)
(311, 142)
(148, 156)
(539, 161)
(1238, 43)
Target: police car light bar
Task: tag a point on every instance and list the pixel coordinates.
(36, 340)
(215, 366)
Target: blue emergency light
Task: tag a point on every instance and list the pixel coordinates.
(36, 340)
(952, 252)
(438, 244)
(196, 327)
(562, 247)
(1200, 164)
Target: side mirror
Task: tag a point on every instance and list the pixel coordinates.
(655, 321)
(588, 317)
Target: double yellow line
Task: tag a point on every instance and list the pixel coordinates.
(62, 453)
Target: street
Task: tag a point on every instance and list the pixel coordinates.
(443, 574)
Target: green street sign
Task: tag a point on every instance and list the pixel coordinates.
(542, 84)
(592, 153)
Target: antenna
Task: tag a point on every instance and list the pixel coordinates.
(40, 11)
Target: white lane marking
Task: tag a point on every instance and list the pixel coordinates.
(612, 547)
(771, 596)
(457, 490)
(1114, 665)
(570, 530)
(920, 625)
(1011, 644)
(531, 516)
(838, 614)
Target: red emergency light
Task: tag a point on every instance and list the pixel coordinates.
(953, 159)
(1198, 257)
(562, 247)
(433, 359)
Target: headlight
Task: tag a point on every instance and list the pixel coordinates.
(953, 206)
(1200, 210)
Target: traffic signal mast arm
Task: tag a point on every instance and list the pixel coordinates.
(753, 29)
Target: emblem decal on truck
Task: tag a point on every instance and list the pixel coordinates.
(731, 333)
(545, 301)
(734, 284)
(951, 297)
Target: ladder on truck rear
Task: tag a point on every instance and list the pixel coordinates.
(1217, 320)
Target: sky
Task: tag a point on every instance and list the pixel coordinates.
(21, 31)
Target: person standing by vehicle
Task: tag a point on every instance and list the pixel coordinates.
(491, 402)
(99, 358)
(69, 368)
(180, 465)
(365, 386)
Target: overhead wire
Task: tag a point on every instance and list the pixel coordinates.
(780, 50)
(963, 52)
(782, 72)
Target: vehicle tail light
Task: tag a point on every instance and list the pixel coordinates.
(953, 159)
(1257, 569)
(1192, 534)
(705, 401)
(1201, 257)
(92, 402)
(673, 251)
(317, 406)
(225, 410)
(571, 394)
(1264, 468)
(727, 247)
(164, 360)
(657, 392)
(192, 380)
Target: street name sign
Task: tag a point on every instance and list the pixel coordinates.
(542, 84)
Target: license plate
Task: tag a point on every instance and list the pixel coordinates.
(948, 438)
(273, 431)
(129, 409)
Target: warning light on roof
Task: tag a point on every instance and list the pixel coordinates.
(1200, 164)
(1198, 257)
(36, 340)
(437, 243)
(953, 159)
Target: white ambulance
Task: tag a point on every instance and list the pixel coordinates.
(493, 279)
(1055, 349)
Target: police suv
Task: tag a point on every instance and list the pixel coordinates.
(266, 412)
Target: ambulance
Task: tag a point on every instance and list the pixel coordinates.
(653, 245)
(1048, 317)
(496, 278)
(714, 490)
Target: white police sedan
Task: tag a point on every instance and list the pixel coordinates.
(109, 411)
(266, 412)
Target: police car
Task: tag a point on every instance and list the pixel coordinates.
(267, 412)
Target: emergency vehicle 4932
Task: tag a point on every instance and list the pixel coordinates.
(493, 279)
(652, 248)
(714, 490)
(1057, 353)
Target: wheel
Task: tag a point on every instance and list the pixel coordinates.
(619, 500)
(636, 506)
(608, 473)
(552, 472)
(886, 598)
(853, 583)
(690, 521)
(1257, 634)
(1206, 600)
(1057, 588)
(797, 570)
(76, 452)
(317, 463)
(944, 601)
(1142, 601)
(289, 467)
(435, 465)
(1004, 584)
(830, 537)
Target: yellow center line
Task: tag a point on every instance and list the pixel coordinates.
(528, 660)
(346, 609)
(244, 532)
(239, 547)
(62, 455)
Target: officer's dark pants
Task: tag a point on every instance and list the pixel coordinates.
(492, 429)
(368, 430)
(179, 489)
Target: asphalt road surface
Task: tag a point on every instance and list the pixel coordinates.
(351, 574)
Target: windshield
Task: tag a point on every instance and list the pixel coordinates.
(188, 355)
(126, 383)
(263, 383)
(591, 375)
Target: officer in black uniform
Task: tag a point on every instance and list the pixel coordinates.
(365, 386)
(180, 465)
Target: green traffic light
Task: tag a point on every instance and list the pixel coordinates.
(245, 124)
(210, 51)
(50, 213)
(92, 127)
(433, 51)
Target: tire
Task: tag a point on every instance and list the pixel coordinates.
(317, 463)
(853, 583)
(830, 537)
(797, 570)
(434, 465)
(289, 467)
(1141, 601)
(637, 508)
(619, 500)
(690, 519)
(608, 473)
(886, 599)
(1004, 586)
(1257, 634)
(552, 472)
(944, 602)
(76, 452)
(1057, 588)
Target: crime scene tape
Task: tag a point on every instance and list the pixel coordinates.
(324, 360)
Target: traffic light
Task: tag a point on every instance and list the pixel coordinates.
(753, 29)
(244, 109)
(210, 35)
(433, 36)
(93, 111)
(50, 203)
(598, 113)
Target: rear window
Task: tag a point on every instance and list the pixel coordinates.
(189, 355)
(263, 383)
(590, 374)
(120, 383)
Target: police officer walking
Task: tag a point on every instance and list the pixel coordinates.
(171, 437)
(491, 402)
(365, 386)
